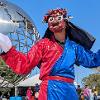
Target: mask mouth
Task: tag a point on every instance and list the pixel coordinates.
(55, 24)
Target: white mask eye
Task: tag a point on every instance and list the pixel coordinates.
(51, 19)
(59, 18)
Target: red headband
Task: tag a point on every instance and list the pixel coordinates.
(60, 11)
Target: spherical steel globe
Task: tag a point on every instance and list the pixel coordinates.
(15, 23)
(20, 28)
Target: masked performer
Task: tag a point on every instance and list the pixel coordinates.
(56, 53)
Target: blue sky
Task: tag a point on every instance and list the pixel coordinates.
(86, 14)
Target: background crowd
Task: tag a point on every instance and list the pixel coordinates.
(86, 93)
(31, 93)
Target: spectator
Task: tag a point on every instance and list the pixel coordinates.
(79, 90)
(91, 94)
(36, 88)
(95, 95)
(29, 93)
(86, 93)
(36, 95)
(81, 96)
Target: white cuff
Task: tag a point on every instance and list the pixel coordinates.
(5, 43)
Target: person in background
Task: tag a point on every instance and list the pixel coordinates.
(36, 89)
(91, 94)
(86, 93)
(79, 90)
(29, 93)
(82, 96)
(56, 54)
(95, 94)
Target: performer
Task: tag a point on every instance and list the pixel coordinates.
(56, 55)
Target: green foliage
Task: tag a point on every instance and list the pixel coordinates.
(92, 81)
(8, 74)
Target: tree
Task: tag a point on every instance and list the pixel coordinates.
(7, 74)
(92, 81)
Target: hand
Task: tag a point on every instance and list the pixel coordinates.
(5, 43)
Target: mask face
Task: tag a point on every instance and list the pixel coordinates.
(56, 23)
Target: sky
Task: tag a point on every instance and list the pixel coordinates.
(86, 14)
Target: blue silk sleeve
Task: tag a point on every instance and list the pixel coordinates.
(87, 58)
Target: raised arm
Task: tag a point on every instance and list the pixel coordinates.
(21, 63)
(87, 58)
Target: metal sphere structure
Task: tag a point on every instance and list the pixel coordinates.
(20, 28)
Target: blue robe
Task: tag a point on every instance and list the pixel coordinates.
(73, 53)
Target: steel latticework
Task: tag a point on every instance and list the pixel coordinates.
(20, 28)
